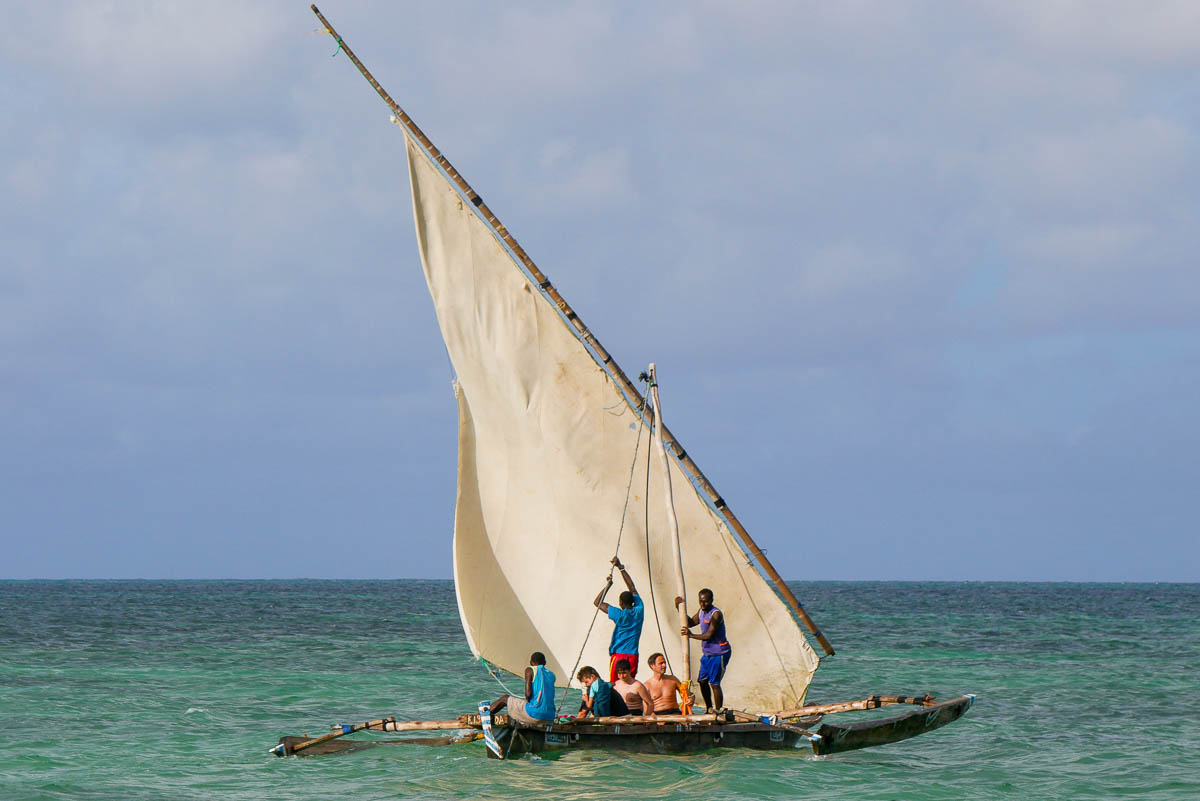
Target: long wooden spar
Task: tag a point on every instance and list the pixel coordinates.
(685, 695)
(584, 333)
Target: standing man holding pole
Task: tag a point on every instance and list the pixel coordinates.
(627, 623)
(714, 651)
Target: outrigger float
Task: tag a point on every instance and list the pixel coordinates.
(548, 423)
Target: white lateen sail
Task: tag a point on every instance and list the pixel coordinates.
(546, 440)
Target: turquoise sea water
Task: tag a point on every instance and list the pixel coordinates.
(175, 690)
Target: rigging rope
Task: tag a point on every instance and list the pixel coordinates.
(685, 694)
(495, 674)
(616, 551)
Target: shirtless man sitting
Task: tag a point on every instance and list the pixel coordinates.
(636, 696)
(664, 688)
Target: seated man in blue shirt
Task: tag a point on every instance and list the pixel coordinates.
(538, 704)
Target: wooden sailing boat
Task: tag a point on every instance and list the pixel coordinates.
(548, 427)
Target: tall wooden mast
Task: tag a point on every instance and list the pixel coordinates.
(673, 524)
(630, 391)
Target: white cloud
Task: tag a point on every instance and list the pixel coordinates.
(545, 53)
(1154, 33)
(845, 269)
(1121, 167)
(1091, 248)
(119, 55)
(600, 178)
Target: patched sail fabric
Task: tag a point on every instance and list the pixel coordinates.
(546, 441)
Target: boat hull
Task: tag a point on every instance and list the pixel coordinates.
(681, 738)
(838, 737)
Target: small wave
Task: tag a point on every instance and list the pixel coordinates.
(192, 709)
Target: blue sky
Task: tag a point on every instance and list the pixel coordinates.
(920, 279)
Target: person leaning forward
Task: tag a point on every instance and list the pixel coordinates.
(627, 623)
(599, 700)
(538, 704)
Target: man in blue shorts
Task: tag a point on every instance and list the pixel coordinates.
(714, 651)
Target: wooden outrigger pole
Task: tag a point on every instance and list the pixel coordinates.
(609, 364)
(673, 523)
